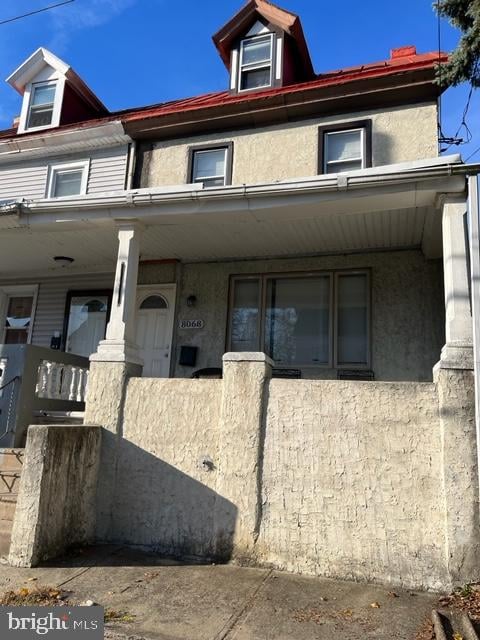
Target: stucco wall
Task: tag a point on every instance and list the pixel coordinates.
(352, 481)
(284, 151)
(164, 495)
(362, 480)
(56, 500)
(407, 309)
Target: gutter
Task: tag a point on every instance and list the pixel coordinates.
(381, 177)
(474, 225)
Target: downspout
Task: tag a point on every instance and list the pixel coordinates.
(474, 212)
(132, 156)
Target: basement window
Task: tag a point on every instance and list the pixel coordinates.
(42, 102)
(256, 62)
(310, 320)
(211, 166)
(68, 180)
(345, 148)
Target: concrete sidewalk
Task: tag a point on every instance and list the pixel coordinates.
(177, 601)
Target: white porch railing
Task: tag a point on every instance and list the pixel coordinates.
(37, 381)
(59, 381)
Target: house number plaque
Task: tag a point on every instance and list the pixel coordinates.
(192, 324)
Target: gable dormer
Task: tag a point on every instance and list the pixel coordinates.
(53, 94)
(263, 46)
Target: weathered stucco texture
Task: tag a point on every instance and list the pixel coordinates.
(164, 493)
(56, 500)
(365, 480)
(352, 482)
(280, 152)
(407, 310)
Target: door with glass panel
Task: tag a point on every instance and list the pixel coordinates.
(154, 329)
(86, 321)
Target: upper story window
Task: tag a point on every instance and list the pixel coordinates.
(68, 180)
(42, 103)
(345, 147)
(256, 62)
(211, 166)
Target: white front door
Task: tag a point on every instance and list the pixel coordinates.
(155, 316)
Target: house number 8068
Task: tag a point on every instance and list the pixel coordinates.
(191, 324)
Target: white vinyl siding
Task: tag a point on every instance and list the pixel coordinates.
(52, 297)
(108, 168)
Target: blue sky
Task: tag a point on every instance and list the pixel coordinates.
(138, 52)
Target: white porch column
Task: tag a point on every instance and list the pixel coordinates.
(458, 350)
(119, 344)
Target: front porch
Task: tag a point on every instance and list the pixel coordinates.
(332, 278)
(317, 474)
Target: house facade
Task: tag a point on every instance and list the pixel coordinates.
(306, 226)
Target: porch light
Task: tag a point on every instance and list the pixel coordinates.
(63, 261)
(191, 301)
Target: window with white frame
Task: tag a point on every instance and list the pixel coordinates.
(42, 102)
(256, 62)
(68, 180)
(318, 320)
(345, 148)
(211, 166)
(18, 314)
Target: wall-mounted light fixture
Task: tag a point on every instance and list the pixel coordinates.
(191, 301)
(63, 261)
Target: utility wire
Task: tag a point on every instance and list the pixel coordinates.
(473, 154)
(32, 13)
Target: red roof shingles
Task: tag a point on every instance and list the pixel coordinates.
(397, 64)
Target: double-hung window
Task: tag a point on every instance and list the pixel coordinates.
(42, 101)
(345, 148)
(256, 62)
(211, 166)
(68, 180)
(316, 319)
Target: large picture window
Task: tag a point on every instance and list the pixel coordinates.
(319, 319)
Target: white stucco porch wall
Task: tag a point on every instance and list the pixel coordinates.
(278, 152)
(352, 481)
(407, 308)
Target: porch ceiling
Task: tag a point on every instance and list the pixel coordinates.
(300, 230)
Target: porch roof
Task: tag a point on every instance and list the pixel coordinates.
(384, 208)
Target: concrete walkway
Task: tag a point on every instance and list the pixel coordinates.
(176, 601)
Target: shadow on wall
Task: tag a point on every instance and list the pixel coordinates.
(145, 501)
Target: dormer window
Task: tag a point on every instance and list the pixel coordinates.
(256, 62)
(42, 103)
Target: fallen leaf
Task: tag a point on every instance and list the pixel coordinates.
(24, 591)
(375, 605)
(392, 594)
(32, 579)
(457, 636)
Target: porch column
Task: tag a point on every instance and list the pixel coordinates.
(111, 367)
(458, 350)
(119, 344)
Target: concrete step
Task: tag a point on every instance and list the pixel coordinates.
(5, 536)
(11, 459)
(450, 625)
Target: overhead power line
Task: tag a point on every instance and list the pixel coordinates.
(32, 13)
